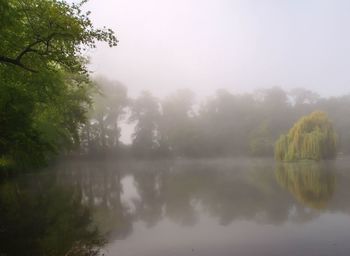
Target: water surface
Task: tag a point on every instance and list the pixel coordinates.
(178, 207)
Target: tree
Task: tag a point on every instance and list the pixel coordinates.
(227, 121)
(145, 112)
(311, 138)
(40, 115)
(260, 142)
(46, 34)
(177, 126)
(44, 85)
(302, 96)
(274, 108)
(102, 132)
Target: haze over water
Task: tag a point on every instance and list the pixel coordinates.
(245, 206)
(174, 128)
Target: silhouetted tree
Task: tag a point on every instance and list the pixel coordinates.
(177, 127)
(145, 111)
(102, 131)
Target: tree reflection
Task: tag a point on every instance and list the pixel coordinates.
(184, 191)
(40, 218)
(149, 187)
(312, 184)
(100, 186)
(55, 213)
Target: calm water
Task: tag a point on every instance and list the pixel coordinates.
(183, 207)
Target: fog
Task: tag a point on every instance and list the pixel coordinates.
(239, 45)
(174, 127)
(224, 124)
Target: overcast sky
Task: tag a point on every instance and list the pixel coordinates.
(240, 45)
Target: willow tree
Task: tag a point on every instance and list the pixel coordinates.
(311, 138)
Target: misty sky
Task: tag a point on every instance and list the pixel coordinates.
(240, 45)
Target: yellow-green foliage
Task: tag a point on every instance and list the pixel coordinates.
(312, 184)
(311, 138)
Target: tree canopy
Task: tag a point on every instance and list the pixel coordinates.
(44, 83)
(47, 34)
(311, 138)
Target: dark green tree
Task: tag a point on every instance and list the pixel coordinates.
(47, 34)
(44, 86)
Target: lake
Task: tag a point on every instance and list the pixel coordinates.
(206, 207)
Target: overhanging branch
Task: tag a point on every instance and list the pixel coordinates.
(15, 62)
(30, 48)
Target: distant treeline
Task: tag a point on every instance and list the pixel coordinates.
(225, 124)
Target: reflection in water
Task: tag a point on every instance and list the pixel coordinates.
(180, 192)
(55, 213)
(311, 183)
(37, 217)
(100, 185)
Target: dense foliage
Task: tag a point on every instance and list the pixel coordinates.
(311, 138)
(44, 86)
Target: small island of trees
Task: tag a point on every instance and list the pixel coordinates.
(311, 138)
